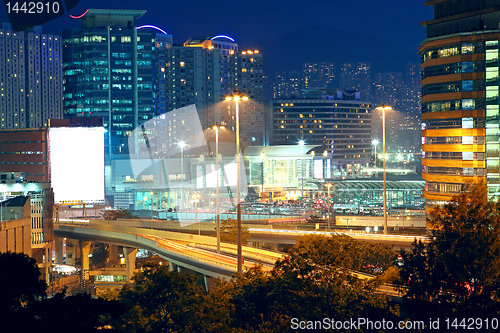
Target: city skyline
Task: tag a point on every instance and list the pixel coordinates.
(274, 19)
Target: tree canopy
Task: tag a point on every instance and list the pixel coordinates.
(229, 229)
(458, 272)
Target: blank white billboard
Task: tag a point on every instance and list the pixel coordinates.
(77, 163)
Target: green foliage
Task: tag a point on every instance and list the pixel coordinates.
(118, 214)
(20, 283)
(229, 229)
(77, 313)
(310, 283)
(344, 251)
(100, 254)
(162, 301)
(458, 272)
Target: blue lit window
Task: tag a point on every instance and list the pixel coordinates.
(467, 67)
(467, 85)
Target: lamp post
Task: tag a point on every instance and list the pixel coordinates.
(196, 199)
(236, 98)
(216, 128)
(262, 157)
(329, 204)
(182, 145)
(301, 144)
(383, 108)
(151, 194)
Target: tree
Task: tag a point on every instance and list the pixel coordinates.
(118, 214)
(309, 283)
(344, 251)
(458, 271)
(100, 254)
(20, 283)
(229, 229)
(162, 301)
(77, 313)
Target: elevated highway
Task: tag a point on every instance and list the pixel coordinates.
(183, 251)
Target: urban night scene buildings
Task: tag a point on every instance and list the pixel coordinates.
(196, 141)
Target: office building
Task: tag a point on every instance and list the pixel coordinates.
(30, 78)
(460, 98)
(339, 121)
(115, 70)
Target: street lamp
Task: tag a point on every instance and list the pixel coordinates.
(383, 108)
(375, 143)
(236, 98)
(196, 199)
(151, 194)
(329, 204)
(262, 157)
(182, 145)
(216, 127)
(301, 144)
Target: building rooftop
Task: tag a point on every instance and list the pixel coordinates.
(278, 151)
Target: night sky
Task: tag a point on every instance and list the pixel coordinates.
(394, 21)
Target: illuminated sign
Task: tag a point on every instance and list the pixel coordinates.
(318, 169)
(152, 27)
(77, 163)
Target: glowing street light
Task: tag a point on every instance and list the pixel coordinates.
(301, 144)
(383, 108)
(329, 203)
(236, 98)
(216, 127)
(262, 158)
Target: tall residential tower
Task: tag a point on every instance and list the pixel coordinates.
(30, 78)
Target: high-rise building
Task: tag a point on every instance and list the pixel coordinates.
(460, 98)
(227, 47)
(246, 77)
(280, 85)
(357, 76)
(293, 88)
(194, 78)
(318, 75)
(30, 78)
(115, 70)
(336, 120)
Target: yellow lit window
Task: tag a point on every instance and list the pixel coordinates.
(182, 64)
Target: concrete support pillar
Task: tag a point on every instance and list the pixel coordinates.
(85, 251)
(113, 253)
(59, 250)
(47, 263)
(209, 282)
(130, 254)
(172, 266)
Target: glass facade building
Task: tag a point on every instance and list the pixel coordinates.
(115, 70)
(460, 99)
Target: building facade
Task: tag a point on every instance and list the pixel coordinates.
(246, 77)
(336, 120)
(115, 70)
(30, 78)
(460, 98)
